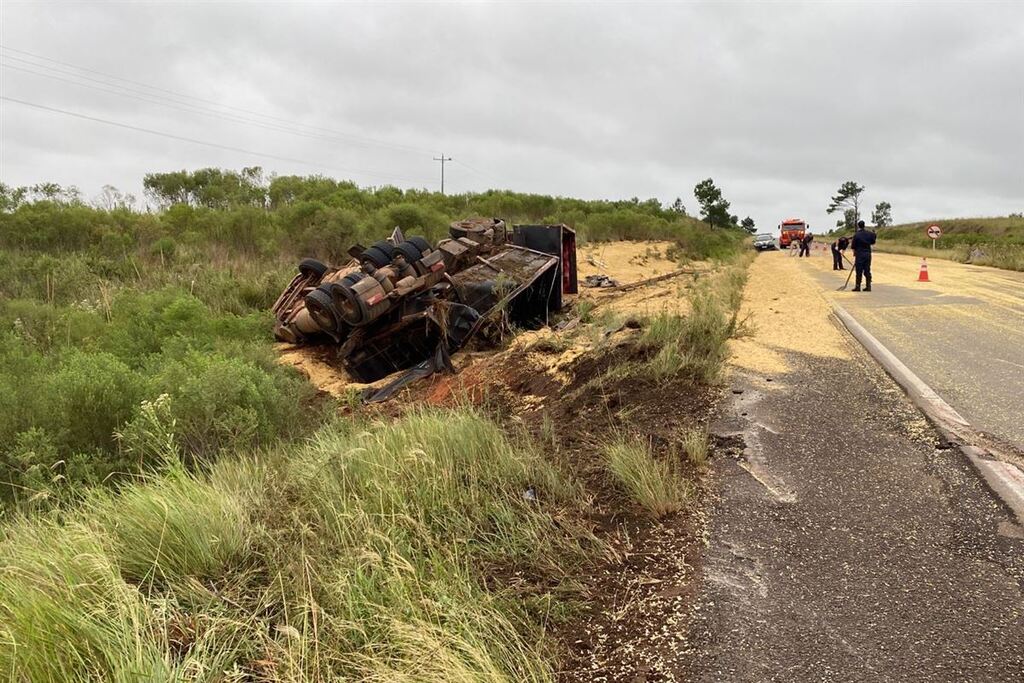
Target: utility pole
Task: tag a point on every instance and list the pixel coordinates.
(442, 159)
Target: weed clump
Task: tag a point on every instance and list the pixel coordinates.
(694, 345)
(697, 446)
(653, 483)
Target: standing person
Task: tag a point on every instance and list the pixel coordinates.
(838, 247)
(862, 241)
(805, 244)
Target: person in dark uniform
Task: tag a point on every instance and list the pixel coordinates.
(862, 241)
(805, 244)
(838, 247)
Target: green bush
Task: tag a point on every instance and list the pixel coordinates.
(91, 395)
(164, 248)
(29, 465)
(73, 376)
(220, 402)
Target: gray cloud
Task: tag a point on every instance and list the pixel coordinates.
(922, 103)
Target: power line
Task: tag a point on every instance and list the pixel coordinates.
(340, 134)
(480, 174)
(179, 101)
(182, 138)
(170, 104)
(443, 160)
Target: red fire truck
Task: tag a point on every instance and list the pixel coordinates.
(791, 230)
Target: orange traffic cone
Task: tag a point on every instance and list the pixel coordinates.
(922, 276)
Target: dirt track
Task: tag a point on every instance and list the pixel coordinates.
(849, 542)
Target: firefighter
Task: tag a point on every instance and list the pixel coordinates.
(838, 247)
(862, 241)
(805, 244)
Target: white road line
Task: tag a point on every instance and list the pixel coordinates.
(1009, 362)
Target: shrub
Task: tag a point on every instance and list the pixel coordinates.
(219, 402)
(164, 249)
(150, 436)
(27, 465)
(91, 395)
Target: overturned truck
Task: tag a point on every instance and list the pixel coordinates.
(404, 304)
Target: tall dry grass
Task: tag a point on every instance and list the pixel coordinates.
(694, 345)
(401, 551)
(654, 483)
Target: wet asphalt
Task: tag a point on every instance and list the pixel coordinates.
(849, 543)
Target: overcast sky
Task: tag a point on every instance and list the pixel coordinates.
(923, 103)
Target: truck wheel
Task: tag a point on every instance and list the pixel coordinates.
(410, 251)
(377, 256)
(422, 244)
(310, 266)
(320, 305)
(384, 246)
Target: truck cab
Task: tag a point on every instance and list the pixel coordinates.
(791, 230)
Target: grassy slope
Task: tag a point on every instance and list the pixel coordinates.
(400, 551)
(995, 242)
(385, 551)
(361, 555)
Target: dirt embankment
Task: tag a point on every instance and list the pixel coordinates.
(635, 597)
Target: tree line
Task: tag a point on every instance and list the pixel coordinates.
(254, 212)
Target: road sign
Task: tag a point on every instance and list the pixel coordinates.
(935, 232)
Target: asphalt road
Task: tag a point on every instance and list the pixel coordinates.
(848, 541)
(962, 333)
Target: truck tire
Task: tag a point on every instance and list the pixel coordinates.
(320, 305)
(421, 243)
(410, 251)
(346, 303)
(378, 257)
(310, 266)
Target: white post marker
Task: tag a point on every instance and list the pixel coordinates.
(935, 232)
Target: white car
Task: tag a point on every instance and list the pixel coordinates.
(765, 241)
